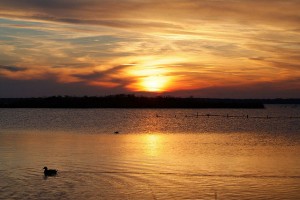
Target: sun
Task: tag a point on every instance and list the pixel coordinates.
(154, 83)
(147, 78)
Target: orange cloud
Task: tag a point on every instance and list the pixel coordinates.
(151, 46)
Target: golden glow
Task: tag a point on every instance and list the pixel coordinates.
(153, 143)
(152, 140)
(154, 83)
(153, 74)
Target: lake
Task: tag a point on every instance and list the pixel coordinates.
(158, 153)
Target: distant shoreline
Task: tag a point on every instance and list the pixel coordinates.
(128, 101)
(132, 101)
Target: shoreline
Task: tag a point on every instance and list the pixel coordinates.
(130, 101)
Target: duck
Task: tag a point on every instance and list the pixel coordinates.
(116, 132)
(49, 172)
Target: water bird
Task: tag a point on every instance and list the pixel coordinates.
(49, 172)
(116, 132)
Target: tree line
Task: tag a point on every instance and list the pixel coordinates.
(128, 101)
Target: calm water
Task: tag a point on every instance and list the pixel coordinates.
(173, 156)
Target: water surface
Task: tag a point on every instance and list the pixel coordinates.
(159, 153)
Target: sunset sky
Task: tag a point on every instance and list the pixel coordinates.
(202, 48)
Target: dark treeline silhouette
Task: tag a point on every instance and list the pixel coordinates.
(281, 101)
(127, 101)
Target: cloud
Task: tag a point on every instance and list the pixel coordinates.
(146, 12)
(102, 74)
(111, 77)
(286, 65)
(12, 68)
(50, 87)
(276, 89)
(199, 44)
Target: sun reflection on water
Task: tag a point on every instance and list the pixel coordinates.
(152, 144)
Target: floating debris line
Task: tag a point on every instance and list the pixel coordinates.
(208, 115)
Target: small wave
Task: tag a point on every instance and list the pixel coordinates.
(187, 174)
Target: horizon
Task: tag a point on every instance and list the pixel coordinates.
(145, 96)
(210, 49)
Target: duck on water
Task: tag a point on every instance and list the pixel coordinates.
(49, 172)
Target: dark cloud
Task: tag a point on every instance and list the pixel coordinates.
(91, 76)
(49, 87)
(278, 89)
(109, 76)
(71, 65)
(258, 58)
(49, 4)
(103, 74)
(12, 68)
